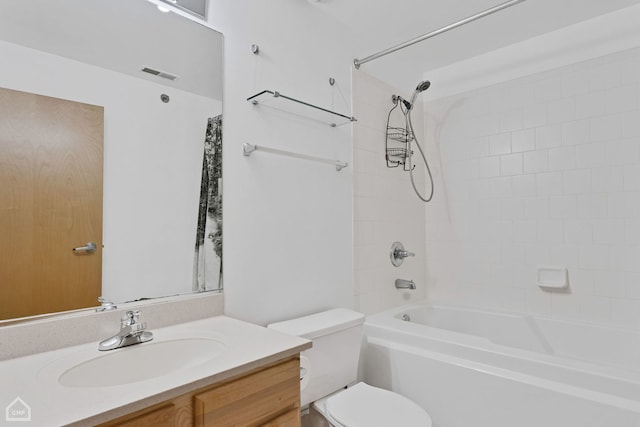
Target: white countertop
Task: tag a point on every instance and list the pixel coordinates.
(34, 378)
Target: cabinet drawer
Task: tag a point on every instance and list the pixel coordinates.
(288, 419)
(162, 417)
(254, 400)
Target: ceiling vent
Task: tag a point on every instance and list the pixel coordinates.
(159, 73)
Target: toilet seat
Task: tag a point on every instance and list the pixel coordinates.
(363, 405)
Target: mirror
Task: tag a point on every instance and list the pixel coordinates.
(145, 87)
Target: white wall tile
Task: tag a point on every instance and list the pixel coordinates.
(548, 89)
(632, 177)
(607, 179)
(577, 132)
(549, 184)
(591, 155)
(534, 115)
(593, 256)
(575, 82)
(563, 207)
(536, 161)
(606, 128)
(548, 136)
(592, 205)
(501, 187)
(500, 144)
(489, 167)
(562, 110)
(621, 99)
(562, 158)
(595, 309)
(631, 124)
(524, 185)
(550, 231)
(609, 283)
(557, 182)
(590, 105)
(536, 207)
(576, 181)
(633, 285)
(605, 76)
(578, 232)
(385, 209)
(511, 121)
(609, 232)
(511, 164)
(523, 140)
(623, 152)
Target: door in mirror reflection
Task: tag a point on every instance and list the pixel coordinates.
(51, 166)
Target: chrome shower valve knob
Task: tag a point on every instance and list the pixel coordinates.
(398, 254)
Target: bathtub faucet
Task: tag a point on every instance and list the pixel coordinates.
(405, 284)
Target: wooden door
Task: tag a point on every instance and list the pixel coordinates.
(51, 154)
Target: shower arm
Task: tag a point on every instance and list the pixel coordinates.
(358, 62)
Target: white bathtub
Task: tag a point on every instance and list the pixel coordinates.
(475, 368)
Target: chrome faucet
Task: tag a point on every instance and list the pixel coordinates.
(132, 331)
(405, 284)
(105, 305)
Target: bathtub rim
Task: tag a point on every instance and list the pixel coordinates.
(388, 320)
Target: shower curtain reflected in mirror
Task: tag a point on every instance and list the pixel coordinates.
(208, 251)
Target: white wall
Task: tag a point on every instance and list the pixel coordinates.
(287, 222)
(539, 170)
(151, 171)
(386, 209)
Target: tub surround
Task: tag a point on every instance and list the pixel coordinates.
(539, 171)
(34, 378)
(46, 333)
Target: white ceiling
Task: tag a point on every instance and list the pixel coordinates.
(120, 35)
(379, 24)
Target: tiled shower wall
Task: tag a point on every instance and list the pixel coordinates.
(385, 206)
(542, 170)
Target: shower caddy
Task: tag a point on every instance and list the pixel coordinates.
(398, 138)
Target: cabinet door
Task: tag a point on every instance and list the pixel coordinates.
(254, 400)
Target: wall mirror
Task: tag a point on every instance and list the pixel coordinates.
(111, 112)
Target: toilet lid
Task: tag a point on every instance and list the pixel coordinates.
(365, 406)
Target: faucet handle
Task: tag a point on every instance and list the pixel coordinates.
(131, 317)
(398, 254)
(105, 304)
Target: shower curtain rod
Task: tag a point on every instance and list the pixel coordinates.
(359, 62)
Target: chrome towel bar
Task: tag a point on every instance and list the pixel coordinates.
(247, 149)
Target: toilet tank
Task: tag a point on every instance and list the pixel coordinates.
(332, 362)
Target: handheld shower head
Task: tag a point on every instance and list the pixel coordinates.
(422, 86)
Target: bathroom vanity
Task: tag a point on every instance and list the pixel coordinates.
(268, 396)
(216, 371)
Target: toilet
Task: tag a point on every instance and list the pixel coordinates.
(332, 364)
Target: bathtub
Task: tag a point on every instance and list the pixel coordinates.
(478, 368)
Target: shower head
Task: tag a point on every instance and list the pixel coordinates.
(422, 86)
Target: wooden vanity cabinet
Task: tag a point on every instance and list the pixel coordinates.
(266, 397)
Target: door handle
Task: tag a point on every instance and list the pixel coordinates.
(89, 247)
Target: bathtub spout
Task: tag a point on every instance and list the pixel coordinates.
(405, 284)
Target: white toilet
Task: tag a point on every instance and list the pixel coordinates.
(332, 364)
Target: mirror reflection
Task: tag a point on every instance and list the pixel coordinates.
(110, 154)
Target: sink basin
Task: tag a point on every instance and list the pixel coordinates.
(141, 362)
